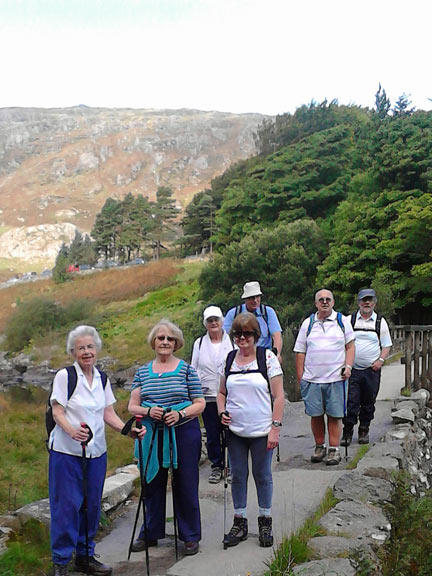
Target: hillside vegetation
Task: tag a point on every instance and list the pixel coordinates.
(339, 196)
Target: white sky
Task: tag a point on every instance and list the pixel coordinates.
(267, 56)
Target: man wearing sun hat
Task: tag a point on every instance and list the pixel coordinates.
(372, 346)
(271, 331)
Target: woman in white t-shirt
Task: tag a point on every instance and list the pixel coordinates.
(208, 355)
(250, 402)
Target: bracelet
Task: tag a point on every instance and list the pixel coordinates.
(148, 412)
(348, 366)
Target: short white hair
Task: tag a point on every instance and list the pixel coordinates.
(79, 332)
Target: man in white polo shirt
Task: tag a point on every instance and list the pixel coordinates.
(372, 346)
(324, 358)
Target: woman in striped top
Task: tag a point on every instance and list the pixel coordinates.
(167, 392)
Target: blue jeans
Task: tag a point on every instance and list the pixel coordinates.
(239, 449)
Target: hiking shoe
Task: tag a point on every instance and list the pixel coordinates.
(191, 548)
(139, 544)
(94, 566)
(319, 453)
(59, 570)
(265, 531)
(215, 476)
(333, 457)
(363, 436)
(238, 532)
(346, 437)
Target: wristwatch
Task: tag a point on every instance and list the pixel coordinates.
(276, 423)
(381, 359)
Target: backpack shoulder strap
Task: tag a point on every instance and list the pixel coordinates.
(378, 325)
(104, 378)
(72, 380)
(237, 310)
(311, 323)
(200, 342)
(339, 320)
(261, 361)
(353, 319)
(264, 312)
(229, 360)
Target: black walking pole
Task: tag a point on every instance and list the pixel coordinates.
(143, 475)
(225, 449)
(170, 432)
(84, 473)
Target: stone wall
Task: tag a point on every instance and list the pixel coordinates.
(357, 525)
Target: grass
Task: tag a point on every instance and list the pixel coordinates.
(28, 552)
(358, 456)
(294, 549)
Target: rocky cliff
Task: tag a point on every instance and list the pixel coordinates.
(58, 166)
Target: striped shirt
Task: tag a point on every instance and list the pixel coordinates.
(324, 348)
(168, 388)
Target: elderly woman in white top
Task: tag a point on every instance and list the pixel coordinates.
(82, 402)
(209, 353)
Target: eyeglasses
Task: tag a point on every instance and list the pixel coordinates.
(90, 347)
(213, 319)
(245, 334)
(367, 299)
(324, 300)
(169, 338)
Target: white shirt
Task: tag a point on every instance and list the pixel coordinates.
(367, 345)
(87, 404)
(324, 348)
(207, 361)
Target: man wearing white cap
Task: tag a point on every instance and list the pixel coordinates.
(208, 354)
(271, 331)
(372, 346)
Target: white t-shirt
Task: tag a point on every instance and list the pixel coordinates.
(324, 348)
(207, 360)
(367, 345)
(248, 398)
(87, 404)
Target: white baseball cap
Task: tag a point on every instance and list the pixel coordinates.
(251, 289)
(212, 312)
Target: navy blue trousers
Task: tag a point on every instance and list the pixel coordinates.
(363, 390)
(213, 428)
(186, 480)
(67, 503)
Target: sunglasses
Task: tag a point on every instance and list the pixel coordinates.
(367, 299)
(169, 338)
(245, 334)
(324, 300)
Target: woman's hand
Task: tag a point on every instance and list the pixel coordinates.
(172, 417)
(80, 434)
(273, 438)
(156, 412)
(138, 432)
(225, 418)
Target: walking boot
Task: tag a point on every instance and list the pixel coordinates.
(346, 437)
(363, 435)
(265, 531)
(94, 566)
(59, 570)
(238, 532)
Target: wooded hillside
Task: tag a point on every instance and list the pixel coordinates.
(339, 196)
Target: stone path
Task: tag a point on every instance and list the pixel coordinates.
(299, 487)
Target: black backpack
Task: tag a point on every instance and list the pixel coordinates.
(262, 366)
(72, 383)
(377, 328)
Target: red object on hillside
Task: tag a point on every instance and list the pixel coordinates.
(73, 268)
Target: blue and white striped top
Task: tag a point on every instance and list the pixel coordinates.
(168, 388)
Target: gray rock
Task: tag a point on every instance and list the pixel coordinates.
(118, 488)
(381, 449)
(333, 546)
(356, 486)
(406, 404)
(398, 434)
(327, 567)
(380, 467)
(403, 416)
(36, 510)
(356, 520)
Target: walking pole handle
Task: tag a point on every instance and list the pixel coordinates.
(90, 434)
(138, 421)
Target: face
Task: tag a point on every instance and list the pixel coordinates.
(324, 303)
(214, 325)
(244, 338)
(367, 305)
(85, 352)
(252, 303)
(164, 343)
